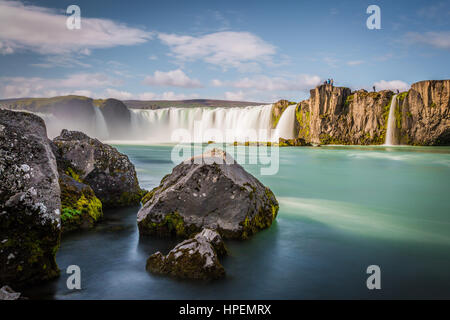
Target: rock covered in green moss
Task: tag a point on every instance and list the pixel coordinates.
(108, 172)
(210, 190)
(195, 258)
(30, 225)
(298, 142)
(80, 208)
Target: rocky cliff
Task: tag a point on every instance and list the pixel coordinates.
(336, 115)
(423, 115)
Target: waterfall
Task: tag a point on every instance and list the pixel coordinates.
(286, 124)
(202, 124)
(100, 127)
(390, 133)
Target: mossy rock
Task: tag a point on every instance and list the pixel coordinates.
(208, 191)
(81, 209)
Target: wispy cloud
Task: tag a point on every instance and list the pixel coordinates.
(80, 83)
(299, 82)
(242, 50)
(174, 78)
(439, 40)
(355, 62)
(19, 31)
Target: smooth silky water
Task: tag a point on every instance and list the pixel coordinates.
(341, 210)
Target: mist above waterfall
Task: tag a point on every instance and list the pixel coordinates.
(174, 124)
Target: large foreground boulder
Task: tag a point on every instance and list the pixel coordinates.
(80, 208)
(210, 190)
(107, 171)
(30, 225)
(195, 258)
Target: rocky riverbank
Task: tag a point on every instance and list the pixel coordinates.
(49, 187)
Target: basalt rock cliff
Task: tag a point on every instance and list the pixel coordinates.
(336, 115)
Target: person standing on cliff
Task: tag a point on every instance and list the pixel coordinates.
(332, 82)
(374, 89)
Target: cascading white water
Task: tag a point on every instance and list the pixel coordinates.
(202, 124)
(285, 126)
(101, 128)
(390, 133)
(96, 128)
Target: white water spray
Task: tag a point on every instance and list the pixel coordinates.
(203, 124)
(286, 124)
(390, 133)
(101, 127)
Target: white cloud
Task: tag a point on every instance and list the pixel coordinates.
(234, 96)
(117, 94)
(217, 83)
(79, 84)
(43, 30)
(174, 78)
(391, 85)
(300, 82)
(439, 40)
(355, 62)
(168, 95)
(153, 57)
(242, 50)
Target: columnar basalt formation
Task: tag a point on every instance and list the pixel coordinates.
(335, 115)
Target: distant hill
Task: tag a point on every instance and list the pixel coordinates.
(43, 104)
(158, 104)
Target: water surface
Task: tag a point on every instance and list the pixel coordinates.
(341, 210)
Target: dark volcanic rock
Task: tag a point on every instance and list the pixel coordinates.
(80, 208)
(29, 201)
(195, 258)
(211, 191)
(107, 171)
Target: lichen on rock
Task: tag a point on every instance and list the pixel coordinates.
(210, 190)
(30, 204)
(108, 172)
(195, 258)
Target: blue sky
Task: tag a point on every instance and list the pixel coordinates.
(236, 50)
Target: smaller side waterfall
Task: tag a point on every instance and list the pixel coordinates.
(390, 133)
(101, 128)
(286, 124)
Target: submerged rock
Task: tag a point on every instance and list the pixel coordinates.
(210, 190)
(6, 293)
(195, 258)
(30, 204)
(107, 171)
(80, 208)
